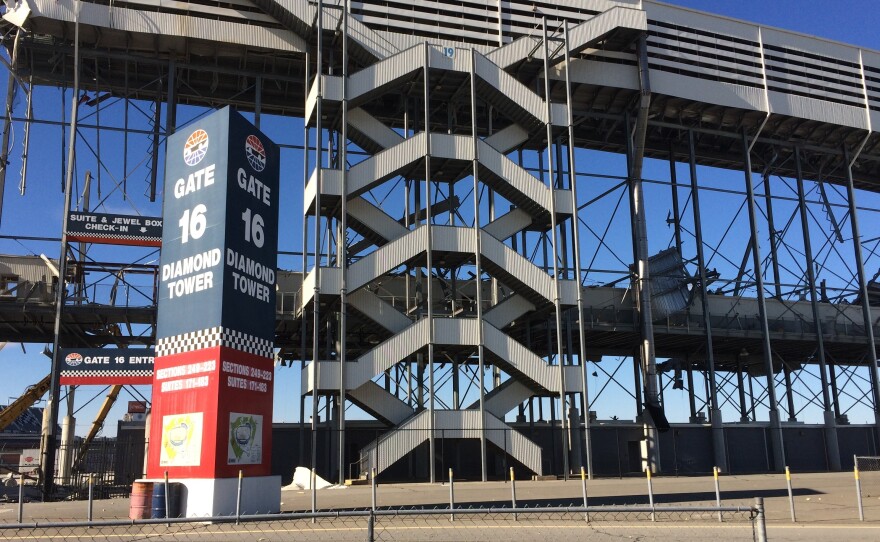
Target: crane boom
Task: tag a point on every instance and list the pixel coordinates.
(31, 395)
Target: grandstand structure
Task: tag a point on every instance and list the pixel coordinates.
(511, 212)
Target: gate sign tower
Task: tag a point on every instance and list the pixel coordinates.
(212, 383)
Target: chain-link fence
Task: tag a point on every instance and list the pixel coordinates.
(867, 475)
(487, 524)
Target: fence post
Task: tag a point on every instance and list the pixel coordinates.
(237, 497)
(513, 491)
(371, 526)
(650, 491)
(167, 492)
(584, 490)
(373, 489)
(451, 497)
(790, 494)
(717, 492)
(91, 495)
(858, 488)
(760, 521)
(20, 497)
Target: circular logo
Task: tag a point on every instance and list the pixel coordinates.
(196, 147)
(73, 359)
(255, 152)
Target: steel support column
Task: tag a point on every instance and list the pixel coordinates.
(831, 445)
(635, 155)
(554, 241)
(429, 290)
(775, 425)
(718, 444)
(478, 268)
(863, 294)
(575, 234)
(342, 247)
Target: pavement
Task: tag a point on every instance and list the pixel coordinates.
(825, 506)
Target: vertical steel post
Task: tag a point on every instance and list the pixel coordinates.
(373, 501)
(237, 497)
(513, 491)
(584, 491)
(771, 225)
(790, 494)
(830, 430)
(743, 410)
(718, 445)
(429, 290)
(343, 240)
(451, 497)
(49, 445)
(20, 498)
(7, 122)
(760, 521)
(717, 492)
(863, 293)
(650, 491)
(575, 233)
(316, 312)
(478, 269)
(775, 426)
(676, 215)
(858, 488)
(557, 304)
(641, 274)
(92, 496)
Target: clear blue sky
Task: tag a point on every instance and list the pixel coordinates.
(850, 21)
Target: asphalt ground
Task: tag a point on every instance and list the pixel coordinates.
(825, 509)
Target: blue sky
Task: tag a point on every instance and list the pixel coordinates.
(38, 213)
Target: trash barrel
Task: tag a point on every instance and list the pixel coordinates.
(141, 493)
(159, 509)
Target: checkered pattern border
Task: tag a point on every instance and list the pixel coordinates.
(110, 373)
(213, 337)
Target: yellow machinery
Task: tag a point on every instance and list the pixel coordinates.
(31, 395)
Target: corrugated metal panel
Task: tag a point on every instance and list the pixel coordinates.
(514, 443)
(394, 445)
(521, 358)
(368, 125)
(382, 166)
(375, 399)
(172, 25)
(453, 239)
(463, 331)
(385, 72)
(517, 266)
(376, 219)
(387, 258)
(378, 310)
(386, 354)
(505, 398)
(507, 139)
(509, 86)
(518, 178)
(669, 284)
(328, 376)
(579, 37)
(508, 224)
(507, 311)
(27, 268)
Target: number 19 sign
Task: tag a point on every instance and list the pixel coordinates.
(212, 384)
